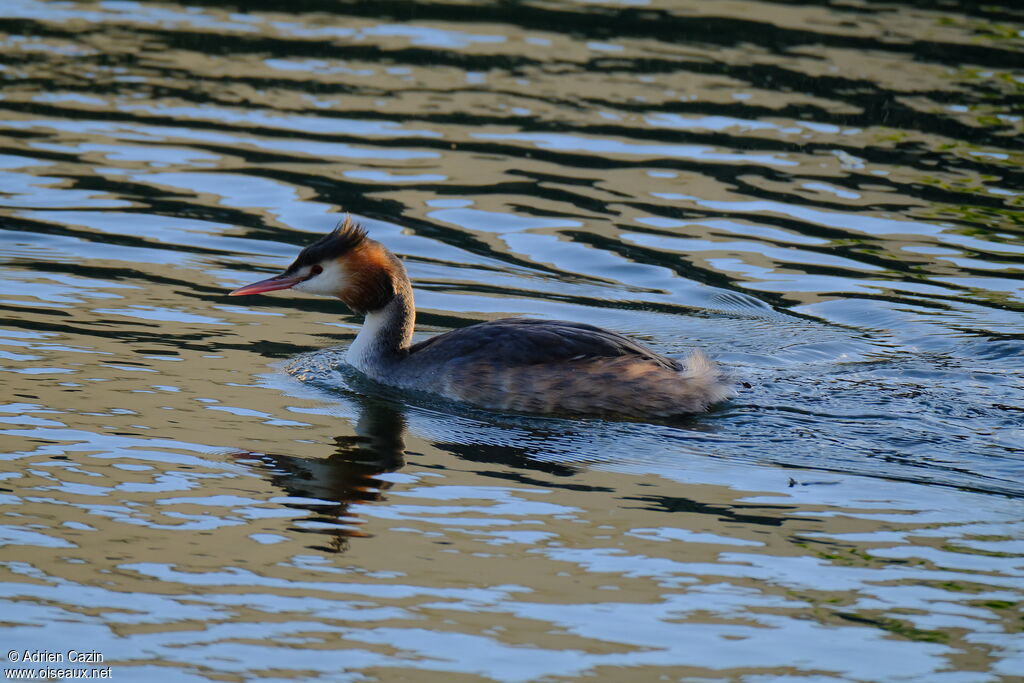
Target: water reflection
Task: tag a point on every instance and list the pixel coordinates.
(824, 195)
(328, 487)
(561, 536)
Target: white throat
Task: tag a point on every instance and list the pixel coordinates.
(370, 345)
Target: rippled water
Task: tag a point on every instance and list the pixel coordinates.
(826, 197)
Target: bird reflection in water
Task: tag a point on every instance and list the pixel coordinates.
(347, 477)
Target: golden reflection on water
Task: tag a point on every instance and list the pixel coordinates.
(824, 197)
(163, 550)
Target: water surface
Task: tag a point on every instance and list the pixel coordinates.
(824, 196)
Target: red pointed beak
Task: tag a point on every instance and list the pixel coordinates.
(269, 285)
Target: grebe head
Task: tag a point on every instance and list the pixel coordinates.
(344, 263)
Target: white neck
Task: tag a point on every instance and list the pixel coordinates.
(384, 336)
(366, 349)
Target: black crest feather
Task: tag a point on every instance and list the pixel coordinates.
(347, 235)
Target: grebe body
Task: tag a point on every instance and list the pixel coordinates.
(515, 364)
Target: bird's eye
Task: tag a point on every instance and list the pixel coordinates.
(315, 270)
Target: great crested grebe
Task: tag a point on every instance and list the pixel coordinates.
(516, 364)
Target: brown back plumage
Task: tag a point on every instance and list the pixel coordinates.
(618, 385)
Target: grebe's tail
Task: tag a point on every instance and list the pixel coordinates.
(703, 385)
